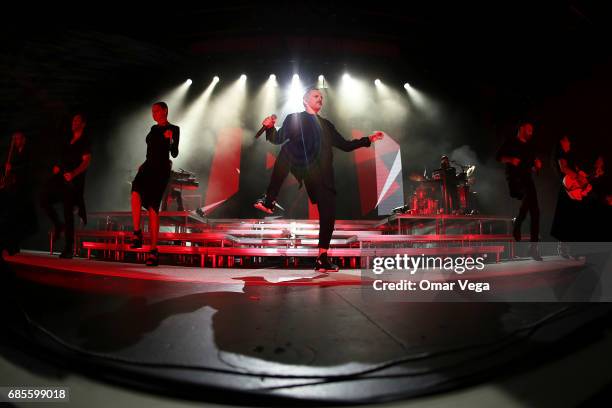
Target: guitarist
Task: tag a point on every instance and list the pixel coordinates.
(575, 181)
(519, 156)
(582, 209)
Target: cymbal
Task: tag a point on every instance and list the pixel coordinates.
(470, 171)
(416, 177)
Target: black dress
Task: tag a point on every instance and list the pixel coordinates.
(17, 209)
(154, 173)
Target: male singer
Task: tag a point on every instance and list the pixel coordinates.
(307, 141)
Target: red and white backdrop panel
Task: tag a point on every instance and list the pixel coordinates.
(379, 173)
(224, 176)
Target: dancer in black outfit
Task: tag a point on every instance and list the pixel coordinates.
(307, 142)
(518, 153)
(17, 208)
(153, 175)
(67, 185)
(16, 170)
(569, 214)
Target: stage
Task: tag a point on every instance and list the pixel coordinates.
(288, 333)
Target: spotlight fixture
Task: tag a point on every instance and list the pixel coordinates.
(346, 76)
(377, 82)
(243, 77)
(406, 85)
(189, 81)
(296, 77)
(272, 77)
(321, 77)
(215, 79)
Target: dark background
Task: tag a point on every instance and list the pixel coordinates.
(486, 66)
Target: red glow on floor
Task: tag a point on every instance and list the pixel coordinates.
(90, 275)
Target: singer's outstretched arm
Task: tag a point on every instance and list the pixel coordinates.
(347, 145)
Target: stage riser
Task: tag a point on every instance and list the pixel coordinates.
(229, 256)
(227, 242)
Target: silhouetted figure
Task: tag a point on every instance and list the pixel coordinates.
(67, 184)
(307, 141)
(17, 209)
(519, 156)
(152, 178)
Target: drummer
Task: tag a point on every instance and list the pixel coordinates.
(449, 185)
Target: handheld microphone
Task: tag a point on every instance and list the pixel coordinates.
(263, 129)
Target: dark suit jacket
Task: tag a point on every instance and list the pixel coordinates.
(307, 142)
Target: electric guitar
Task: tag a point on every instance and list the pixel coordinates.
(578, 185)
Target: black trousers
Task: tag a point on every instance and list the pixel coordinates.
(323, 196)
(57, 191)
(529, 205)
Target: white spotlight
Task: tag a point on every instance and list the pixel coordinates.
(294, 95)
(243, 77)
(189, 82)
(272, 81)
(215, 79)
(407, 85)
(377, 82)
(322, 83)
(346, 76)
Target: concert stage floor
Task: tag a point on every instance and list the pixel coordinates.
(281, 333)
(32, 260)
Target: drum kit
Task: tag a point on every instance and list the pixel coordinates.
(435, 195)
